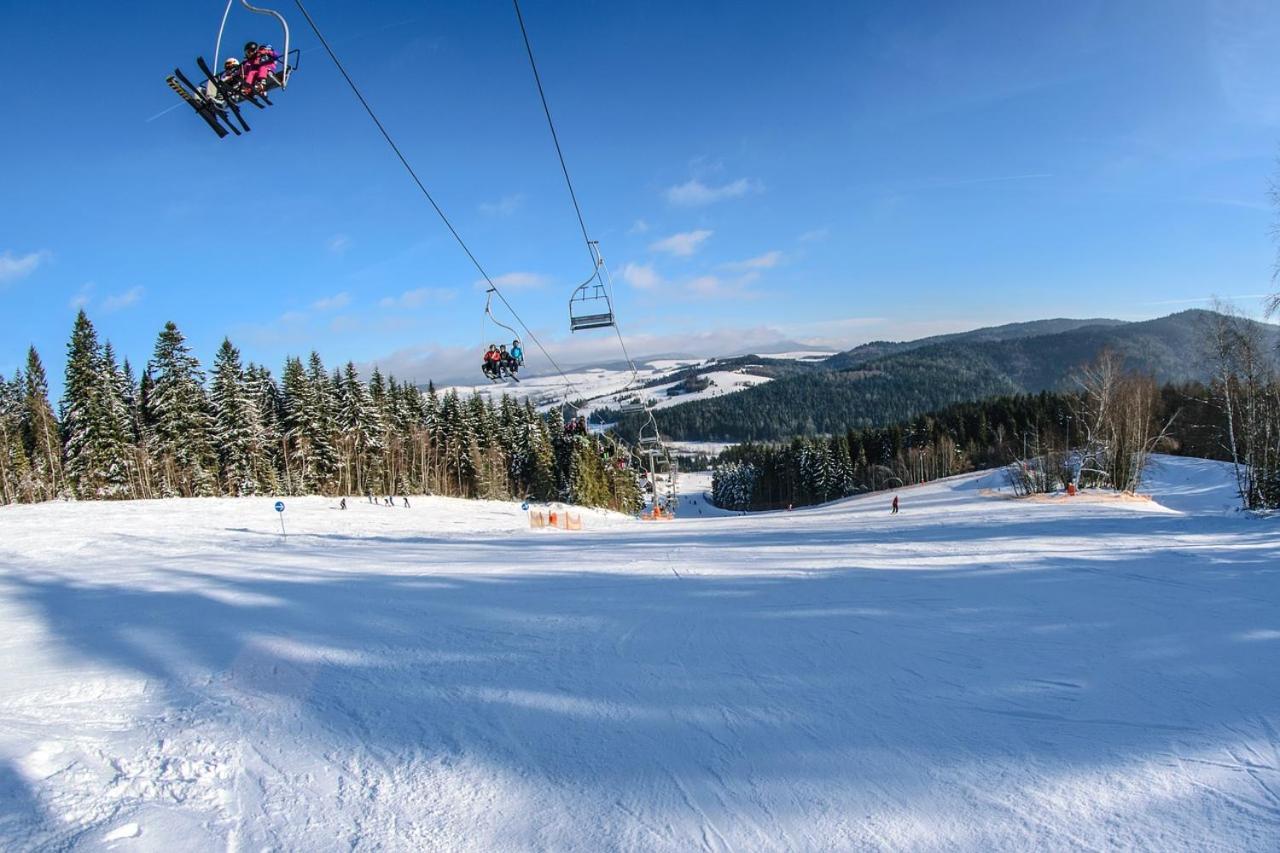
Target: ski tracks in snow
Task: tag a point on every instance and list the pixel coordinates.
(975, 674)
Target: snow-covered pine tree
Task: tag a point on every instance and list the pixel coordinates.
(733, 485)
(457, 435)
(541, 473)
(16, 482)
(432, 475)
(845, 482)
(178, 413)
(86, 424)
(491, 471)
(323, 428)
(295, 396)
(403, 418)
(412, 405)
(40, 431)
(561, 451)
(237, 426)
(362, 432)
(266, 397)
(136, 432)
(120, 468)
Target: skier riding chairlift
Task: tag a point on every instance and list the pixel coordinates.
(490, 364)
(507, 366)
(218, 97)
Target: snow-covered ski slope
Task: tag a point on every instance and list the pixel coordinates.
(976, 673)
(601, 387)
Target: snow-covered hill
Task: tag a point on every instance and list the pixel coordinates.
(975, 673)
(605, 387)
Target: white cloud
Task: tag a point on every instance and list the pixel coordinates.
(418, 297)
(516, 281)
(761, 262)
(694, 192)
(82, 296)
(681, 245)
(815, 236)
(712, 286)
(332, 303)
(339, 243)
(117, 301)
(14, 267)
(641, 276)
(638, 227)
(504, 206)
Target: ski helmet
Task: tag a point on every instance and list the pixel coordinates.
(231, 62)
(250, 47)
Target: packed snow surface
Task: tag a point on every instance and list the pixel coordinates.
(975, 673)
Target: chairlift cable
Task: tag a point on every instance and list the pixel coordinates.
(427, 194)
(597, 259)
(555, 138)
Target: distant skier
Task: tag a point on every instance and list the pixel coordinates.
(406, 502)
(894, 511)
(342, 504)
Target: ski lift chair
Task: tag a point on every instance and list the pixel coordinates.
(589, 306)
(217, 101)
(649, 435)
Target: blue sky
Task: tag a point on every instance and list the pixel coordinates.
(821, 172)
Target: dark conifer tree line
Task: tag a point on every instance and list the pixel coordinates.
(964, 437)
(175, 432)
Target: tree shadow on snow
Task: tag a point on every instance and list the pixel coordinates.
(592, 679)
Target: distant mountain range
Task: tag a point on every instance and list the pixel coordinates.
(885, 382)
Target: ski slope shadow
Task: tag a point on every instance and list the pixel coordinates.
(1062, 701)
(21, 814)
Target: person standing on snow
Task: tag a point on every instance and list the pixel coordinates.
(894, 511)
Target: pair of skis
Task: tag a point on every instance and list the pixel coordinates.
(216, 112)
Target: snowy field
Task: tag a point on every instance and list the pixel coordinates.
(976, 673)
(600, 386)
(607, 388)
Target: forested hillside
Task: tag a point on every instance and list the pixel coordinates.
(962, 437)
(1010, 331)
(888, 389)
(175, 432)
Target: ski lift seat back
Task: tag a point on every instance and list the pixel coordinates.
(589, 307)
